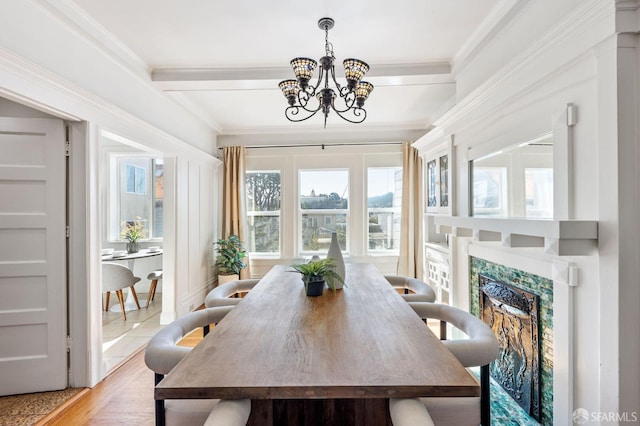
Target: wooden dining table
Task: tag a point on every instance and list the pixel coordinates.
(332, 359)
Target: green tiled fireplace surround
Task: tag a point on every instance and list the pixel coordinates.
(543, 287)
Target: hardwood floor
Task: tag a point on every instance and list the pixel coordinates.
(125, 397)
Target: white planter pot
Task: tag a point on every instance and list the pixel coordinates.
(227, 278)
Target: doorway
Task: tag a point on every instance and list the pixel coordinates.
(132, 199)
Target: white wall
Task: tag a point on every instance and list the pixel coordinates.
(568, 53)
(47, 65)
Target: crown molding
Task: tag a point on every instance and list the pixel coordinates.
(38, 88)
(77, 20)
(433, 137)
(497, 20)
(580, 20)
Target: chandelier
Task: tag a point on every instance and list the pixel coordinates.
(299, 92)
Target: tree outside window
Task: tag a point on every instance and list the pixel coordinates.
(263, 211)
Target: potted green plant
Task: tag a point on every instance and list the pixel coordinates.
(133, 231)
(315, 273)
(229, 258)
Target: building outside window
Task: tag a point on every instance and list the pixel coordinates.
(323, 208)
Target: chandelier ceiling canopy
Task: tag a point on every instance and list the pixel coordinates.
(351, 97)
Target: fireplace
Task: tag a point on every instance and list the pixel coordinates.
(513, 315)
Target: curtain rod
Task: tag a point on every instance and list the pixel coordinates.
(323, 145)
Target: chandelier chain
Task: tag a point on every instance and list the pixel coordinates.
(328, 47)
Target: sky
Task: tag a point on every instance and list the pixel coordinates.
(328, 181)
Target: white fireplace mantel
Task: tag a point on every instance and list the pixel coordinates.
(557, 237)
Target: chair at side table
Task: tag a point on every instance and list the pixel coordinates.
(154, 277)
(115, 277)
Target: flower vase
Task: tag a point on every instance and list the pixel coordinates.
(336, 254)
(132, 247)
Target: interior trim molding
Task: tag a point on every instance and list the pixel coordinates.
(580, 20)
(43, 90)
(499, 18)
(78, 21)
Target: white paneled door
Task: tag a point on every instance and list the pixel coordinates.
(33, 302)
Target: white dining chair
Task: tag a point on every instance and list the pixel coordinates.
(415, 290)
(154, 276)
(227, 294)
(116, 277)
(478, 350)
(163, 353)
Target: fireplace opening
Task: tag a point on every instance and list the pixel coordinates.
(513, 315)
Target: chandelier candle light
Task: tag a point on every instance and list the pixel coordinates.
(299, 92)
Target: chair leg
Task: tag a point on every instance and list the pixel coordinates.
(106, 306)
(155, 287)
(152, 292)
(485, 396)
(121, 300)
(135, 296)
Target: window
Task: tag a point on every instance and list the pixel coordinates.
(384, 198)
(137, 195)
(157, 165)
(432, 198)
(514, 181)
(324, 208)
(538, 192)
(135, 179)
(263, 211)
(489, 191)
(323, 191)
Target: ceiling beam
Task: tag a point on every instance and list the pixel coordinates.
(189, 79)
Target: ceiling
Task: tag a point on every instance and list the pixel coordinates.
(223, 60)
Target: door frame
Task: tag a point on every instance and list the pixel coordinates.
(84, 257)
